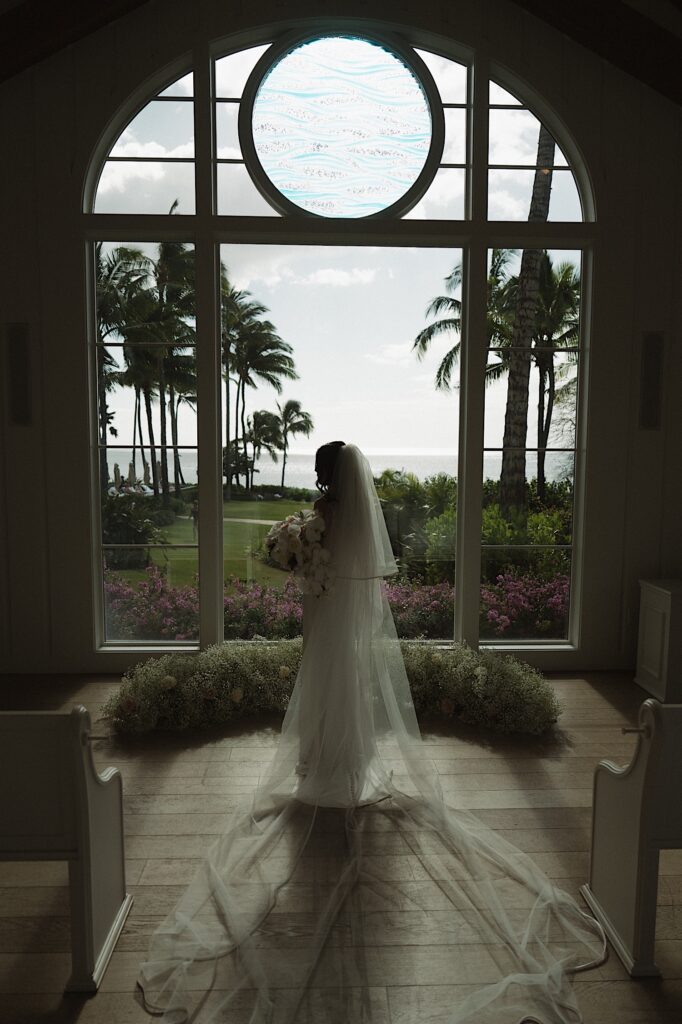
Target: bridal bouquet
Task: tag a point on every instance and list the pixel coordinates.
(296, 544)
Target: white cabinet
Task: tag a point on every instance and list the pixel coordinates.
(659, 648)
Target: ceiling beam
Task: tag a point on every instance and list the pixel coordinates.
(622, 36)
(35, 29)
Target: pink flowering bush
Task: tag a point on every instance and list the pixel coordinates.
(152, 609)
(515, 605)
(255, 610)
(525, 605)
(422, 609)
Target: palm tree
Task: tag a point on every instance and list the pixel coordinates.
(511, 321)
(497, 319)
(120, 275)
(513, 474)
(293, 420)
(181, 374)
(174, 276)
(557, 326)
(237, 311)
(264, 432)
(260, 355)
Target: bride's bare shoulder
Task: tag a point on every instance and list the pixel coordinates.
(323, 507)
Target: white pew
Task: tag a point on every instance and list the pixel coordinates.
(636, 812)
(54, 805)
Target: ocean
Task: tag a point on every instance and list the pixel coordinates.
(300, 465)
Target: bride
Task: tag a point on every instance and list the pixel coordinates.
(297, 913)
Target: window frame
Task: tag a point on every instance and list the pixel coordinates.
(474, 235)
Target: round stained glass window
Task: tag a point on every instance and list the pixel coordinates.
(341, 127)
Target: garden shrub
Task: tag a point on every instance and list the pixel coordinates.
(440, 549)
(514, 605)
(127, 519)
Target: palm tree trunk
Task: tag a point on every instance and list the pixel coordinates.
(139, 426)
(228, 450)
(513, 475)
(547, 420)
(174, 440)
(137, 399)
(244, 441)
(236, 430)
(152, 443)
(542, 440)
(284, 456)
(103, 418)
(165, 486)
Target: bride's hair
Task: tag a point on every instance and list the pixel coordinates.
(325, 463)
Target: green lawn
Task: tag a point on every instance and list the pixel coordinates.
(241, 542)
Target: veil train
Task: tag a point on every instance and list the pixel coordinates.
(300, 912)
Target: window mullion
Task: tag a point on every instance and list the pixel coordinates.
(472, 374)
(208, 368)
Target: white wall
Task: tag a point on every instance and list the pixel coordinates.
(52, 117)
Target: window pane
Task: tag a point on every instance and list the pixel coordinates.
(500, 95)
(525, 595)
(444, 199)
(227, 135)
(237, 194)
(142, 469)
(551, 498)
(509, 195)
(513, 138)
(449, 76)
(351, 316)
(526, 552)
(231, 72)
(151, 594)
(454, 151)
(161, 129)
(552, 398)
(145, 186)
(341, 126)
(144, 380)
(182, 87)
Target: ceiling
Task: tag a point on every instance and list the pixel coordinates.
(641, 37)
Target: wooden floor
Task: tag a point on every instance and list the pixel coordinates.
(177, 789)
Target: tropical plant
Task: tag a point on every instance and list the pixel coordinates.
(513, 473)
(252, 352)
(498, 319)
(237, 312)
(127, 522)
(556, 327)
(293, 420)
(120, 274)
(263, 433)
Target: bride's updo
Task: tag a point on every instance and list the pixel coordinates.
(325, 463)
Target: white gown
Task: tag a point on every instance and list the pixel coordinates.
(349, 787)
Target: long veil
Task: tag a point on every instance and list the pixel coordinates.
(300, 912)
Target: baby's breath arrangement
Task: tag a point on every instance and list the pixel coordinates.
(229, 681)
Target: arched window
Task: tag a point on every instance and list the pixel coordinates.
(326, 235)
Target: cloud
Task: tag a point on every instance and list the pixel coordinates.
(116, 176)
(394, 354)
(339, 278)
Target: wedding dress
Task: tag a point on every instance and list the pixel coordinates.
(300, 912)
